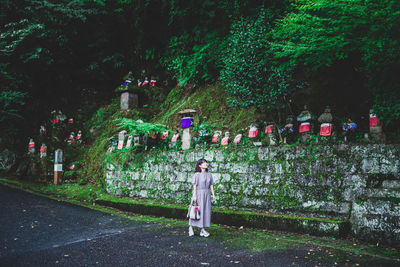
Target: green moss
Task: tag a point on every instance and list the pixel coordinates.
(211, 106)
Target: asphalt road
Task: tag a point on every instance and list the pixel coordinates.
(36, 231)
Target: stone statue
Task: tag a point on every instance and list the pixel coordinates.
(71, 138)
(305, 128)
(375, 128)
(43, 151)
(79, 137)
(269, 132)
(121, 138)
(287, 132)
(225, 140)
(31, 147)
(129, 142)
(326, 117)
(253, 131)
(326, 122)
(238, 138)
(349, 129)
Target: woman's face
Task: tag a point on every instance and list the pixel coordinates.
(204, 165)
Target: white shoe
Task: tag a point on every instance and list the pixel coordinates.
(191, 233)
(204, 233)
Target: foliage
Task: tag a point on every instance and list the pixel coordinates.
(134, 127)
(10, 102)
(196, 64)
(363, 34)
(249, 72)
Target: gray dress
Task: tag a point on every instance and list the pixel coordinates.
(203, 180)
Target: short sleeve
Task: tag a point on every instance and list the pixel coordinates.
(195, 179)
(211, 179)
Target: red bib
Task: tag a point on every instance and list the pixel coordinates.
(165, 135)
(175, 138)
(253, 132)
(304, 127)
(269, 129)
(214, 139)
(237, 139)
(326, 129)
(120, 145)
(374, 120)
(225, 141)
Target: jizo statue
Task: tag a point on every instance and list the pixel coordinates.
(225, 140)
(269, 132)
(326, 122)
(43, 151)
(31, 147)
(375, 128)
(305, 127)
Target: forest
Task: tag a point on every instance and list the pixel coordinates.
(272, 56)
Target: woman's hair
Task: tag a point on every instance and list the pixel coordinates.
(198, 163)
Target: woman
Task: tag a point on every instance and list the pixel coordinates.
(202, 185)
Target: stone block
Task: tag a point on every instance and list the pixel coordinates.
(181, 177)
(391, 184)
(190, 157)
(219, 156)
(209, 155)
(225, 177)
(263, 153)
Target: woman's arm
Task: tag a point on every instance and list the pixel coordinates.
(194, 192)
(212, 192)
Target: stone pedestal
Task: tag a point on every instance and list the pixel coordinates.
(186, 139)
(129, 100)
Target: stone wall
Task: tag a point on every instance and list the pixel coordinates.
(356, 182)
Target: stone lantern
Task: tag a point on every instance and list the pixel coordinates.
(187, 123)
(305, 128)
(129, 100)
(375, 127)
(326, 122)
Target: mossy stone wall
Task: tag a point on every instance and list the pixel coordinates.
(356, 182)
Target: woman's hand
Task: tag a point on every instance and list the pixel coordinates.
(214, 199)
(194, 199)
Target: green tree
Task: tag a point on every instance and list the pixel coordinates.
(250, 73)
(363, 34)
